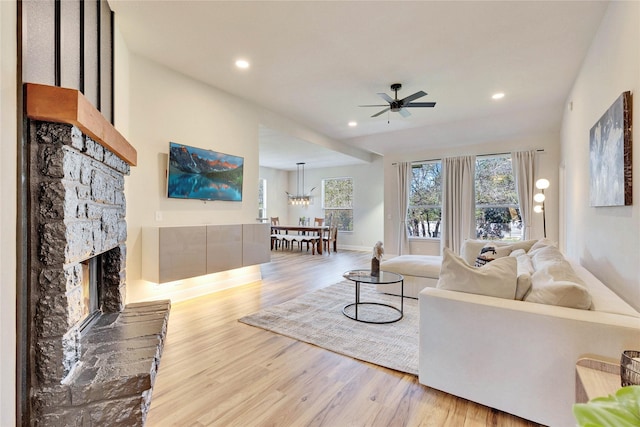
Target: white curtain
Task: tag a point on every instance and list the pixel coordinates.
(404, 181)
(524, 166)
(458, 201)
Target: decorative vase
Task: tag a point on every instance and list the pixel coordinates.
(375, 267)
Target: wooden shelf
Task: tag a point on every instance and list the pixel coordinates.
(61, 105)
(596, 378)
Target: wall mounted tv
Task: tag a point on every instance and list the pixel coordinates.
(197, 173)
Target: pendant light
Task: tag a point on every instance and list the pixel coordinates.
(300, 198)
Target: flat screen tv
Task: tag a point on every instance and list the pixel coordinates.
(197, 173)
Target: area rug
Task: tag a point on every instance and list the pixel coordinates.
(317, 318)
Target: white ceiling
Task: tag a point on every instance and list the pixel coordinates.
(317, 61)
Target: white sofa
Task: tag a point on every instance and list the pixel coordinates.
(419, 271)
(519, 356)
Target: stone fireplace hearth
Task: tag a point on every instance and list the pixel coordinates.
(98, 372)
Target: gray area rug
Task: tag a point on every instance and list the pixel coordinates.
(317, 318)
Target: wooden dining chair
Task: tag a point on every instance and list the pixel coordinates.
(331, 239)
(276, 236)
(312, 239)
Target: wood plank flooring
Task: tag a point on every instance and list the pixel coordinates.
(216, 371)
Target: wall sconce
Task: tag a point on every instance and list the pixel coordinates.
(541, 185)
(299, 199)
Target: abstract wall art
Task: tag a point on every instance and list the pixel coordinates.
(610, 156)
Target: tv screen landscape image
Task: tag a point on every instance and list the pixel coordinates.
(197, 173)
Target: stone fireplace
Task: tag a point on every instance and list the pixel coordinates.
(92, 359)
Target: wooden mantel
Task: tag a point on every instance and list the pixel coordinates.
(61, 105)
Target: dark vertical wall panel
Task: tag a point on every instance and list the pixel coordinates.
(91, 51)
(38, 57)
(70, 44)
(106, 68)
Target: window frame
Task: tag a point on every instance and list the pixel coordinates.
(415, 165)
(477, 206)
(515, 206)
(341, 226)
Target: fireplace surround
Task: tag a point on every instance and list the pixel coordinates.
(83, 373)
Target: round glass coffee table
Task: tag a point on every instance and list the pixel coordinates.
(384, 278)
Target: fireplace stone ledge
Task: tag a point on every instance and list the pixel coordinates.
(112, 384)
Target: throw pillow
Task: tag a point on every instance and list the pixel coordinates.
(542, 243)
(490, 252)
(545, 290)
(525, 270)
(471, 249)
(497, 278)
(517, 252)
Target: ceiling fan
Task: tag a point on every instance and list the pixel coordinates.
(398, 105)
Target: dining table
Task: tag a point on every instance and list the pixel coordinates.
(318, 230)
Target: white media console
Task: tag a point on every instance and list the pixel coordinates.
(175, 253)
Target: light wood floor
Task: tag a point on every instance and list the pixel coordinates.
(216, 371)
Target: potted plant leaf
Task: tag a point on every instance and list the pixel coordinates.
(619, 410)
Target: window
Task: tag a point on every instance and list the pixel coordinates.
(497, 210)
(425, 200)
(337, 202)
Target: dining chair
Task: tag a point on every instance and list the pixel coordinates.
(331, 238)
(277, 238)
(310, 238)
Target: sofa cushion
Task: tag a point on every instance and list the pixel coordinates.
(497, 278)
(558, 292)
(524, 271)
(550, 260)
(471, 247)
(414, 265)
(555, 282)
(540, 244)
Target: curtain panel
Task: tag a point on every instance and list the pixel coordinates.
(404, 181)
(524, 166)
(458, 201)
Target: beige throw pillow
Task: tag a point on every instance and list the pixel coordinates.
(525, 270)
(555, 282)
(559, 292)
(497, 278)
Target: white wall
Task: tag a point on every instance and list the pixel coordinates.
(167, 106)
(8, 185)
(606, 240)
(277, 183)
(547, 168)
(368, 202)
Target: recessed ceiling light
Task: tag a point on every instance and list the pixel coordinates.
(498, 95)
(241, 63)
(353, 124)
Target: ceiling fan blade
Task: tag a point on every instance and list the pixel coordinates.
(416, 95)
(404, 113)
(373, 105)
(386, 97)
(380, 112)
(420, 104)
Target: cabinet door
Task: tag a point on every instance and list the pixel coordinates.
(224, 247)
(256, 244)
(182, 252)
